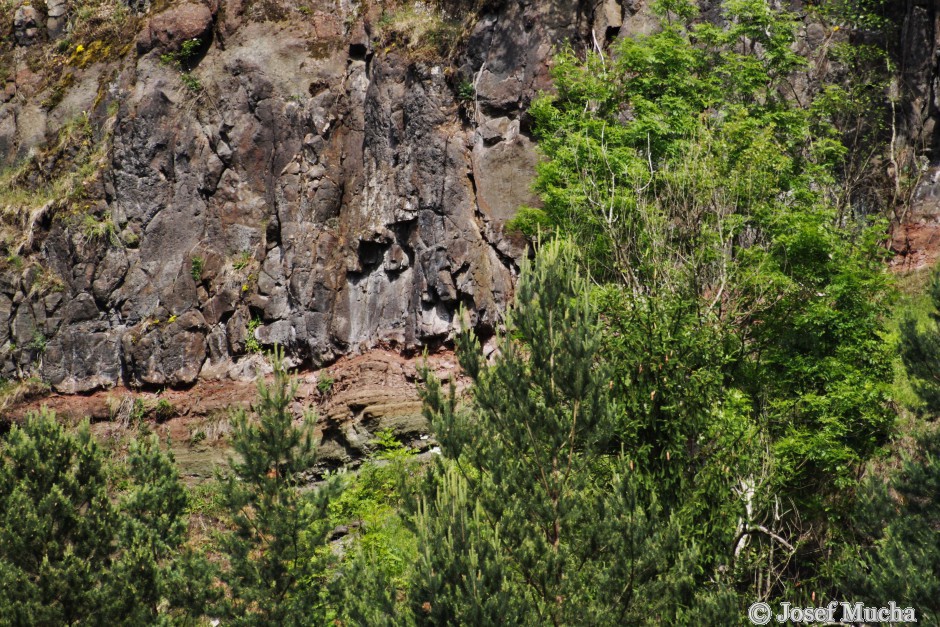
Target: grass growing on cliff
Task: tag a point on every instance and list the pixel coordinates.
(101, 30)
(13, 392)
(55, 181)
(424, 30)
(98, 230)
(252, 345)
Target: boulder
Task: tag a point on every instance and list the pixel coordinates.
(168, 354)
(27, 22)
(82, 358)
(168, 30)
(56, 17)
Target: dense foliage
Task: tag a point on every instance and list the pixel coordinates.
(552, 517)
(77, 545)
(689, 408)
(920, 349)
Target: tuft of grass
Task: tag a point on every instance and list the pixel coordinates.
(32, 191)
(47, 282)
(242, 260)
(105, 26)
(425, 31)
(211, 431)
(58, 92)
(207, 514)
(102, 230)
(206, 499)
(14, 392)
(163, 410)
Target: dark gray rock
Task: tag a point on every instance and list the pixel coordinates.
(56, 17)
(167, 354)
(80, 309)
(82, 358)
(334, 191)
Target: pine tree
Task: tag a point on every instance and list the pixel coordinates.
(157, 578)
(76, 549)
(896, 550)
(275, 570)
(57, 524)
(536, 520)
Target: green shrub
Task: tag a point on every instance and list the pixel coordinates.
(191, 82)
(195, 268)
(325, 383)
(182, 57)
(466, 92)
(252, 345)
(163, 410)
(38, 342)
(242, 260)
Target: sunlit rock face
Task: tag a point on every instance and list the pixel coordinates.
(295, 178)
(227, 176)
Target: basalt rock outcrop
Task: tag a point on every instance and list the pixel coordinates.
(294, 177)
(192, 182)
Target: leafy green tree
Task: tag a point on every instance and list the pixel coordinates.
(276, 563)
(58, 527)
(705, 198)
(380, 549)
(78, 548)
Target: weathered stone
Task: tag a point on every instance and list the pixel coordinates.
(23, 329)
(80, 308)
(170, 354)
(236, 331)
(109, 274)
(168, 30)
(508, 167)
(83, 357)
(330, 190)
(6, 310)
(27, 22)
(219, 306)
(56, 17)
(51, 302)
(280, 333)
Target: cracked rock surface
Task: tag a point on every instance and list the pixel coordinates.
(304, 183)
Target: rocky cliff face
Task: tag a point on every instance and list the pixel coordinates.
(190, 182)
(917, 53)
